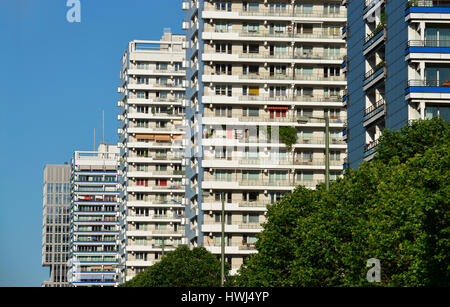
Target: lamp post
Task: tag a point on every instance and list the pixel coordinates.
(222, 241)
(304, 120)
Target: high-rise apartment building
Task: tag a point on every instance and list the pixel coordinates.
(254, 68)
(55, 225)
(151, 133)
(94, 258)
(398, 68)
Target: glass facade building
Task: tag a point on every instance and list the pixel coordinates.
(55, 229)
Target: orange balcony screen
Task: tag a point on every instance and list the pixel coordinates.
(145, 136)
(162, 137)
(277, 108)
(254, 91)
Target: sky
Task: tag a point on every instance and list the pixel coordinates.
(56, 77)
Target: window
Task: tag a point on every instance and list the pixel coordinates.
(162, 66)
(280, 50)
(251, 28)
(223, 175)
(307, 28)
(252, 218)
(223, 27)
(224, 90)
(331, 71)
(305, 8)
(141, 94)
(334, 175)
(278, 7)
(307, 71)
(250, 111)
(142, 109)
(277, 113)
(223, 111)
(277, 91)
(143, 65)
(308, 176)
(332, 51)
(331, 92)
(253, 48)
(250, 196)
(335, 155)
(437, 110)
(250, 175)
(222, 69)
(221, 48)
(275, 176)
(331, 8)
(250, 7)
(223, 6)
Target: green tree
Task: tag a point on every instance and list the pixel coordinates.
(182, 268)
(394, 208)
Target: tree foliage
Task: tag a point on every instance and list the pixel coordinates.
(393, 208)
(181, 268)
(288, 136)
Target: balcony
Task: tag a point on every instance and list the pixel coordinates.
(274, 14)
(289, 56)
(434, 4)
(428, 49)
(369, 149)
(289, 99)
(281, 36)
(374, 39)
(428, 89)
(374, 112)
(374, 75)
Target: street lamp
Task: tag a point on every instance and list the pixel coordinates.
(222, 241)
(304, 120)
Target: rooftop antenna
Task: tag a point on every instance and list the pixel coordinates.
(103, 126)
(94, 139)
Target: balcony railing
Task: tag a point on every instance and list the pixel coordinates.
(296, 13)
(336, 98)
(429, 83)
(428, 3)
(374, 72)
(370, 146)
(380, 103)
(374, 35)
(429, 43)
(277, 161)
(265, 34)
(288, 55)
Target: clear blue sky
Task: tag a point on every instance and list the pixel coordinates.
(56, 78)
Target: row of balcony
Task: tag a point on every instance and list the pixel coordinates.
(428, 3)
(276, 161)
(268, 12)
(275, 35)
(288, 118)
(308, 77)
(286, 55)
(223, 184)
